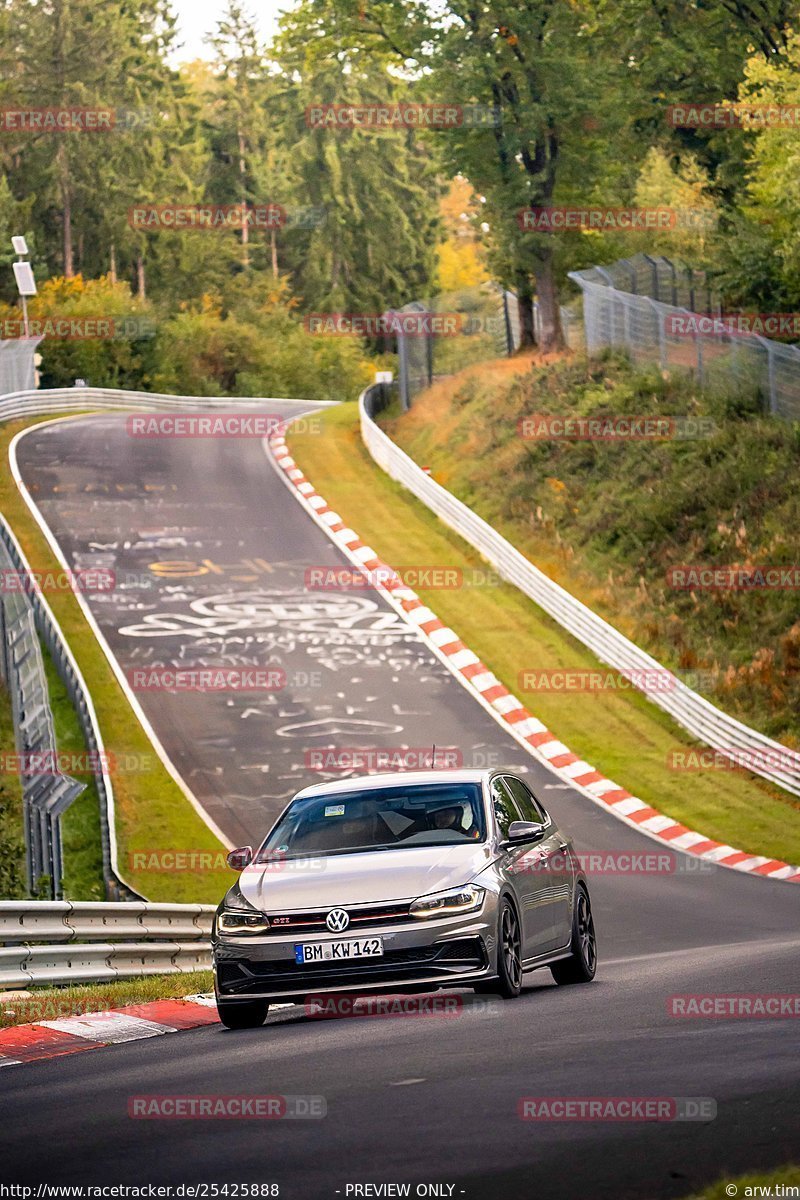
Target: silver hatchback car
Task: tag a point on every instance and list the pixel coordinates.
(403, 882)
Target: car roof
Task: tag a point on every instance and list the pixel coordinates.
(359, 783)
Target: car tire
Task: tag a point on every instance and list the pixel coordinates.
(242, 1014)
(508, 983)
(581, 965)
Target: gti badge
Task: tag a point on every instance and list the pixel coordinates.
(337, 920)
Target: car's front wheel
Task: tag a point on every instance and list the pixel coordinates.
(509, 956)
(581, 965)
(242, 1014)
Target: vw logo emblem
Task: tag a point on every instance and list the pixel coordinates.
(337, 920)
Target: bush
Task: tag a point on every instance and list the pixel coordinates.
(251, 342)
(120, 358)
(263, 353)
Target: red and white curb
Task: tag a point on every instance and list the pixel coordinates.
(502, 704)
(92, 1030)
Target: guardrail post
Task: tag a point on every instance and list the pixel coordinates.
(653, 265)
(772, 389)
(402, 371)
(429, 355)
(656, 307)
(698, 337)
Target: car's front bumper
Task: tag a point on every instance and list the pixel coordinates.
(437, 953)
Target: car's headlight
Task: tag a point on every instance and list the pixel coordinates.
(240, 920)
(455, 900)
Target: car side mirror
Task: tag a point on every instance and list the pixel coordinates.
(241, 858)
(524, 831)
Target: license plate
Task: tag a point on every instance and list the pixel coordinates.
(308, 952)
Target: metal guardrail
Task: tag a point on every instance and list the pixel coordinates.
(763, 756)
(96, 943)
(46, 791)
(56, 402)
(69, 673)
(82, 399)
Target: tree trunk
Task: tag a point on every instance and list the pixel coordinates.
(541, 164)
(243, 188)
(112, 266)
(551, 336)
(60, 18)
(140, 280)
(273, 246)
(66, 209)
(524, 290)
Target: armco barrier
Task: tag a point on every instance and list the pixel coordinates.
(60, 402)
(46, 793)
(93, 942)
(698, 716)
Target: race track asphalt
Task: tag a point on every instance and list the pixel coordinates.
(426, 1100)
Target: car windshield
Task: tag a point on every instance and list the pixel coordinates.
(390, 818)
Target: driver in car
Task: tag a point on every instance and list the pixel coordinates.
(448, 818)
(452, 818)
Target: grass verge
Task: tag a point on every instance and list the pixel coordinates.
(53, 1003)
(153, 814)
(622, 734)
(620, 521)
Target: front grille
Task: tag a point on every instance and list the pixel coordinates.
(360, 918)
(283, 975)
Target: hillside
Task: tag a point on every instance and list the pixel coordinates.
(613, 520)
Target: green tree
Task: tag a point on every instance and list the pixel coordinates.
(377, 193)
